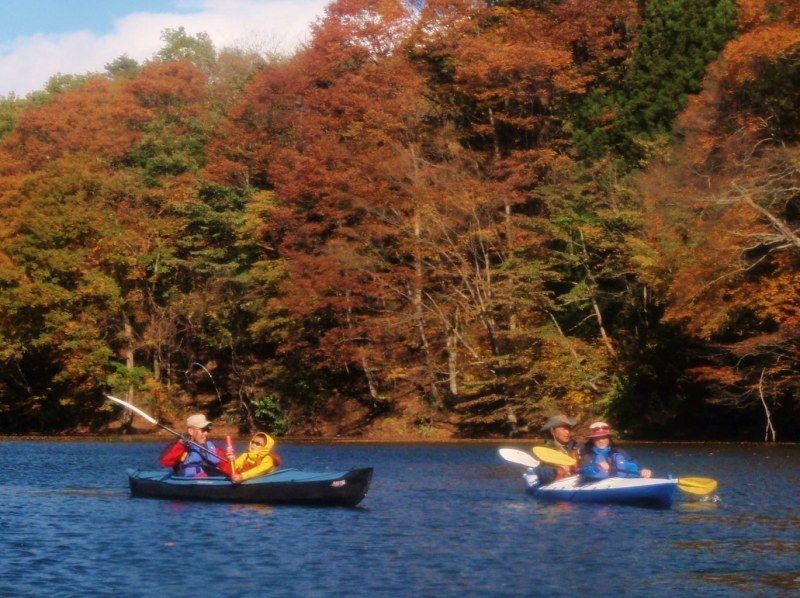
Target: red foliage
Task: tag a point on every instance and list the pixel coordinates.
(98, 119)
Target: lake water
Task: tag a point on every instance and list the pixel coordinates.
(439, 520)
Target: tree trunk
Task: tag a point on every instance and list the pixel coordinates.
(373, 387)
(128, 353)
(776, 222)
(452, 362)
(512, 320)
(417, 292)
(572, 350)
(603, 334)
(770, 430)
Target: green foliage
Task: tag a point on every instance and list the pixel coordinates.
(270, 416)
(57, 84)
(169, 149)
(197, 49)
(60, 83)
(10, 108)
(677, 40)
(123, 378)
(123, 67)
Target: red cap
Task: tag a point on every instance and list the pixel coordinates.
(599, 430)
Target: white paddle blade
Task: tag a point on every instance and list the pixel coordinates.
(130, 407)
(518, 457)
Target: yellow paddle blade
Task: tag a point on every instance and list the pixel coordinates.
(552, 456)
(697, 485)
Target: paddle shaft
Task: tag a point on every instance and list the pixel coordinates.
(153, 420)
(232, 460)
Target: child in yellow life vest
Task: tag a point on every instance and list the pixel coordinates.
(257, 460)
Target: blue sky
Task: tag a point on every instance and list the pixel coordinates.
(40, 38)
(27, 17)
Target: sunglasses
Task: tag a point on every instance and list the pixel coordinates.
(256, 443)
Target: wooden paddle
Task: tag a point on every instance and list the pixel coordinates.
(691, 485)
(518, 457)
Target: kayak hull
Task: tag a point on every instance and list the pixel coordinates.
(645, 492)
(285, 486)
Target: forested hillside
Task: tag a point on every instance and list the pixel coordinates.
(436, 219)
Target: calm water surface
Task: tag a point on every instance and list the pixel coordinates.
(439, 520)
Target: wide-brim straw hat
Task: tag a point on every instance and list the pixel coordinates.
(558, 420)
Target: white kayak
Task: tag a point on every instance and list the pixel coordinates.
(648, 492)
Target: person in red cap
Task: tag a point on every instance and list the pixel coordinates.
(601, 460)
(195, 456)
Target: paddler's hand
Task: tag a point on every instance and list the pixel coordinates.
(646, 473)
(230, 454)
(605, 466)
(236, 478)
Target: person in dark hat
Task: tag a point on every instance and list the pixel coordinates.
(601, 460)
(560, 428)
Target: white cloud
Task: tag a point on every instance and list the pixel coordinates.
(265, 25)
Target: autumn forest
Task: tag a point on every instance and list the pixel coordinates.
(437, 219)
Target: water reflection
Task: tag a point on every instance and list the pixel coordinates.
(787, 583)
(248, 509)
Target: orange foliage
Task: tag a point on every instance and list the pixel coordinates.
(757, 13)
(723, 212)
(744, 56)
(97, 119)
(167, 85)
(719, 121)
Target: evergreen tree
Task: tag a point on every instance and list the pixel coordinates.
(633, 115)
(678, 40)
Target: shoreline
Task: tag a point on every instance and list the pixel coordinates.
(534, 440)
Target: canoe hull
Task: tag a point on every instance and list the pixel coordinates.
(644, 492)
(286, 486)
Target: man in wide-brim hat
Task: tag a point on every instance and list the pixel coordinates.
(560, 427)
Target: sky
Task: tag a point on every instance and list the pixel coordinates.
(41, 38)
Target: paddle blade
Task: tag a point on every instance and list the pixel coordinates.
(699, 486)
(518, 457)
(130, 407)
(553, 457)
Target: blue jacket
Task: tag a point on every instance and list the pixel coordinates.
(188, 460)
(621, 465)
(197, 462)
